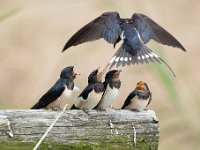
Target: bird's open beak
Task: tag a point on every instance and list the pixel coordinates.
(99, 74)
(74, 73)
(117, 74)
(140, 85)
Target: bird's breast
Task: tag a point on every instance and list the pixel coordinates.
(65, 98)
(109, 96)
(91, 101)
(67, 92)
(137, 104)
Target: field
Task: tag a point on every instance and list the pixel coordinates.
(33, 33)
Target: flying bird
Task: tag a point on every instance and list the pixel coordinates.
(112, 86)
(60, 92)
(139, 98)
(135, 32)
(92, 93)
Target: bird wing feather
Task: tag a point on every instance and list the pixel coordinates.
(106, 26)
(84, 94)
(129, 98)
(149, 29)
(52, 94)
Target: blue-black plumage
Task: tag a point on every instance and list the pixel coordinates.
(60, 92)
(92, 93)
(139, 98)
(135, 33)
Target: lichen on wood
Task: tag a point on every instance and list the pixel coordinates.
(77, 129)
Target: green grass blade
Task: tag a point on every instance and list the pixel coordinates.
(9, 14)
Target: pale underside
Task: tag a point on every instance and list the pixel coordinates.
(108, 98)
(92, 100)
(62, 100)
(137, 104)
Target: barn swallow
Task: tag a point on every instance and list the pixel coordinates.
(92, 93)
(135, 32)
(60, 92)
(138, 99)
(112, 85)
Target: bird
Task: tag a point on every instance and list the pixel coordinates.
(60, 92)
(112, 86)
(92, 93)
(135, 32)
(139, 98)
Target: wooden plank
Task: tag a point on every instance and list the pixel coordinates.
(79, 129)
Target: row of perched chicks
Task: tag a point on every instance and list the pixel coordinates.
(96, 95)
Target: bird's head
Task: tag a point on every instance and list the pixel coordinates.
(95, 76)
(112, 75)
(68, 73)
(142, 86)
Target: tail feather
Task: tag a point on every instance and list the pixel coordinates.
(73, 107)
(38, 105)
(143, 56)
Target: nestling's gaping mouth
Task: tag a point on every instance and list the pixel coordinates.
(116, 75)
(99, 74)
(74, 74)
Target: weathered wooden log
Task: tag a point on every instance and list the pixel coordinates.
(77, 129)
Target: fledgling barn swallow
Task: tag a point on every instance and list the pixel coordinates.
(92, 93)
(138, 99)
(135, 32)
(112, 85)
(60, 92)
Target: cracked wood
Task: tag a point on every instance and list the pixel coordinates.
(77, 126)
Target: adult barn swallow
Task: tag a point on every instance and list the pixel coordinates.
(60, 92)
(112, 85)
(92, 93)
(135, 33)
(138, 99)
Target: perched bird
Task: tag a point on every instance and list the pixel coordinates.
(138, 99)
(135, 33)
(60, 92)
(112, 85)
(92, 93)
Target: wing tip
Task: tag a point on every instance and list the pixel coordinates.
(179, 45)
(183, 49)
(65, 47)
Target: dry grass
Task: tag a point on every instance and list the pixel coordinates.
(31, 40)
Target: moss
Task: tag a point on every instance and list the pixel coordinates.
(122, 142)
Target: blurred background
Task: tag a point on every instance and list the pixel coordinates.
(33, 33)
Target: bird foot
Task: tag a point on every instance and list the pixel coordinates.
(56, 109)
(110, 109)
(136, 110)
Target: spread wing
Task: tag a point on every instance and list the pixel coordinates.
(54, 93)
(106, 26)
(148, 29)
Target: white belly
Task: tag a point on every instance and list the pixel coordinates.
(92, 100)
(62, 100)
(65, 99)
(108, 98)
(137, 104)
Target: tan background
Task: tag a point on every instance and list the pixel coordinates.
(32, 36)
